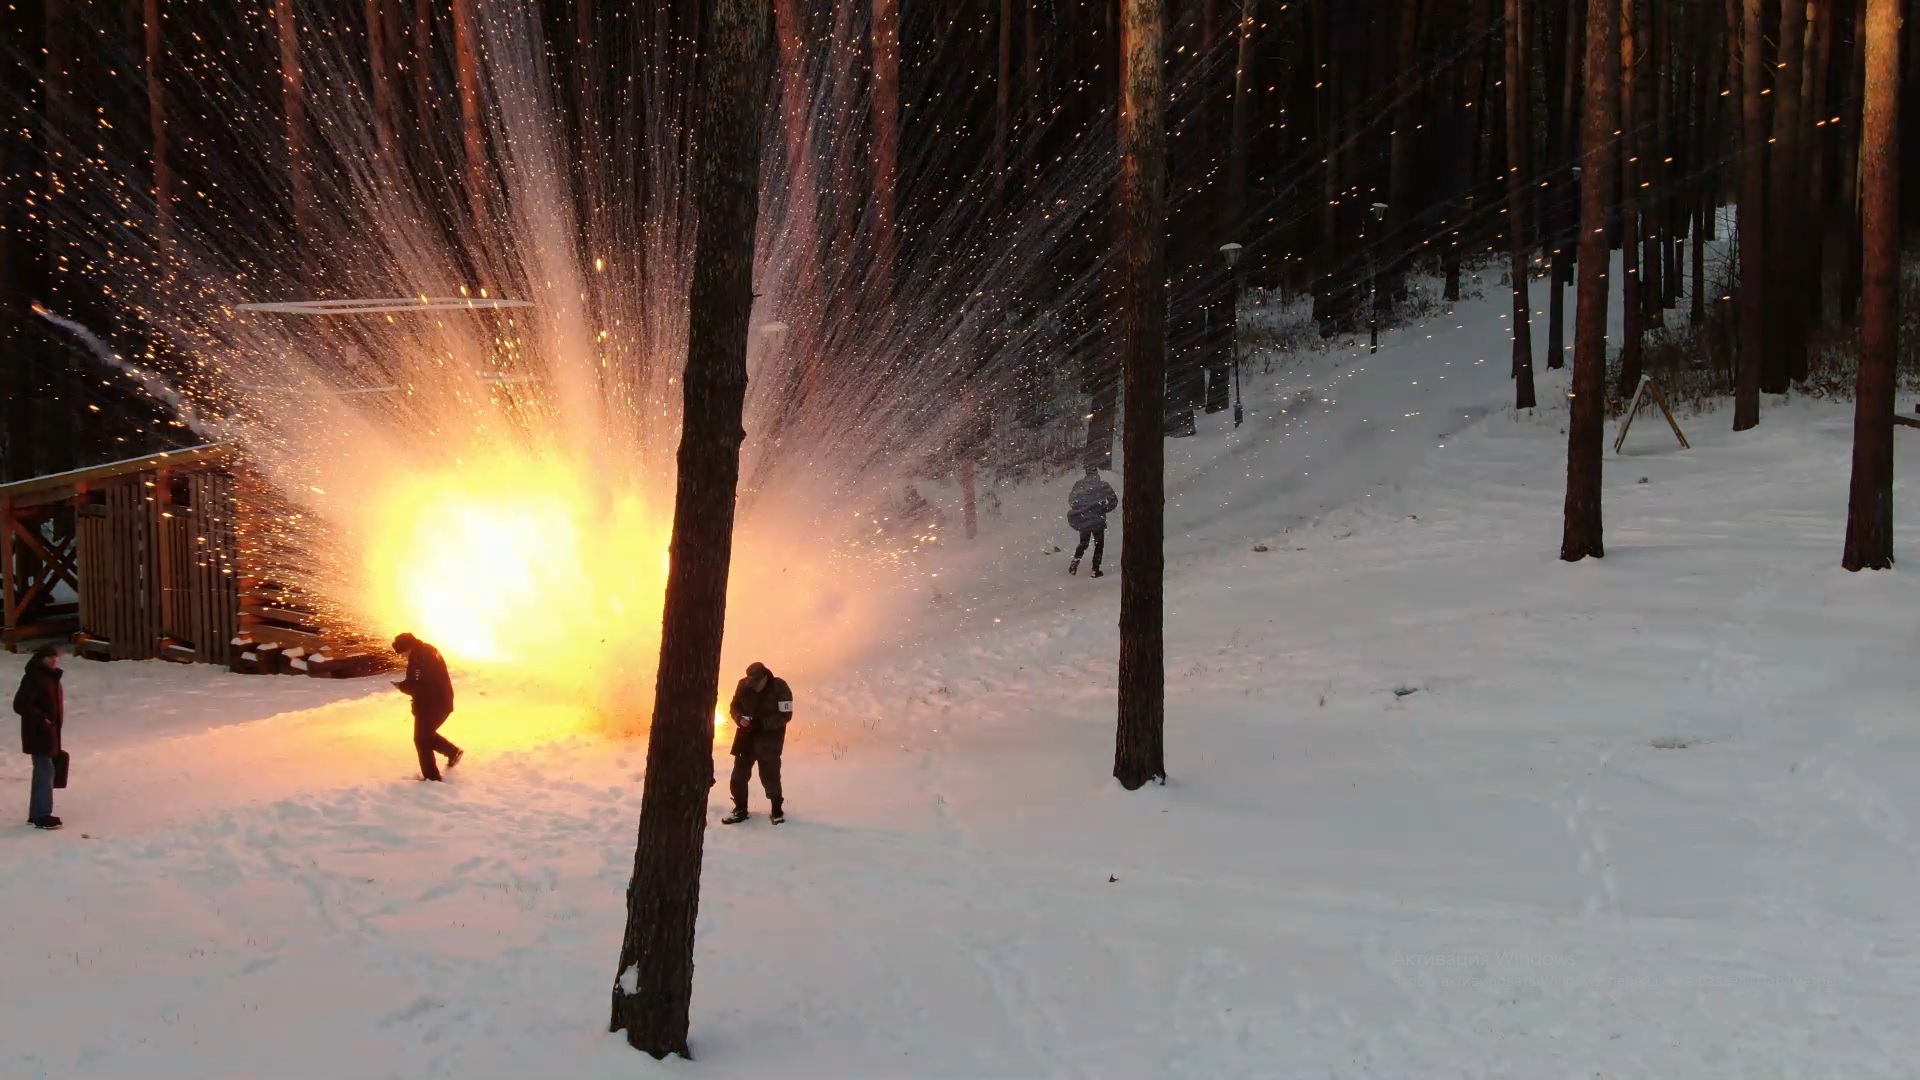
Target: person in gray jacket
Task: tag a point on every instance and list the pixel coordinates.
(1089, 504)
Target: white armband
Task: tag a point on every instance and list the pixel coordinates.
(786, 706)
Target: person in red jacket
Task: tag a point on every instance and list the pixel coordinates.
(431, 688)
(41, 703)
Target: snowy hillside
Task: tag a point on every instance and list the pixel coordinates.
(1440, 805)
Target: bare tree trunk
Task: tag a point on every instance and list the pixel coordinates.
(423, 62)
(1632, 291)
(156, 56)
(293, 99)
(1849, 178)
(886, 139)
(1518, 130)
(380, 63)
(1752, 238)
(1817, 130)
(653, 991)
(1565, 196)
(1786, 348)
(466, 46)
(1003, 106)
(803, 197)
(1587, 422)
(1140, 743)
(1870, 503)
(1242, 122)
(1400, 150)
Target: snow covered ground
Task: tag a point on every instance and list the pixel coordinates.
(1440, 804)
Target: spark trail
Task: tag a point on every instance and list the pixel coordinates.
(499, 479)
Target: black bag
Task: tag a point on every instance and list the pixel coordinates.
(60, 769)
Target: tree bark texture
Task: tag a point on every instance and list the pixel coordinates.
(380, 63)
(1587, 423)
(1242, 123)
(1139, 746)
(654, 987)
(293, 100)
(156, 56)
(1752, 237)
(466, 57)
(1870, 503)
(886, 140)
(1786, 205)
(1632, 286)
(1518, 127)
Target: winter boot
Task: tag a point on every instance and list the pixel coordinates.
(47, 823)
(1073, 567)
(778, 815)
(454, 758)
(1098, 573)
(735, 818)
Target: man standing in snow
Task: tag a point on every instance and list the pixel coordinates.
(1089, 504)
(41, 703)
(431, 688)
(762, 705)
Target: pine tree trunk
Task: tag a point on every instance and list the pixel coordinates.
(1587, 420)
(1003, 106)
(1140, 743)
(1817, 129)
(886, 141)
(155, 51)
(1518, 129)
(653, 990)
(293, 100)
(380, 65)
(1753, 191)
(466, 46)
(1564, 197)
(802, 304)
(1870, 503)
(1242, 123)
(1400, 152)
(1786, 353)
(1633, 304)
(423, 100)
(1849, 178)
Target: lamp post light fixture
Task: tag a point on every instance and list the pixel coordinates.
(1231, 251)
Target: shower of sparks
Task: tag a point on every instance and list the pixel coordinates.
(459, 378)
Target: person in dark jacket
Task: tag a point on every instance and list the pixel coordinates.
(431, 688)
(42, 705)
(1088, 505)
(762, 705)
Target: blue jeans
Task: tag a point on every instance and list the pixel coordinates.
(40, 801)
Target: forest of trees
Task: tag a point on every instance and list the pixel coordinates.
(1336, 141)
(1352, 149)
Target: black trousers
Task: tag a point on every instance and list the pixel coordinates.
(428, 741)
(762, 749)
(1099, 538)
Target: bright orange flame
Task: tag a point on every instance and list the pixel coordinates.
(519, 566)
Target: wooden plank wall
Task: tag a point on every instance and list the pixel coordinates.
(120, 569)
(206, 608)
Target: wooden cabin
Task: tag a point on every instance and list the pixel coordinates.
(144, 559)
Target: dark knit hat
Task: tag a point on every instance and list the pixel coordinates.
(404, 643)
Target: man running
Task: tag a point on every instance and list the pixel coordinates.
(762, 705)
(431, 688)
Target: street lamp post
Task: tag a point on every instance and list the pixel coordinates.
(1232, 252)
(1378, 214)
